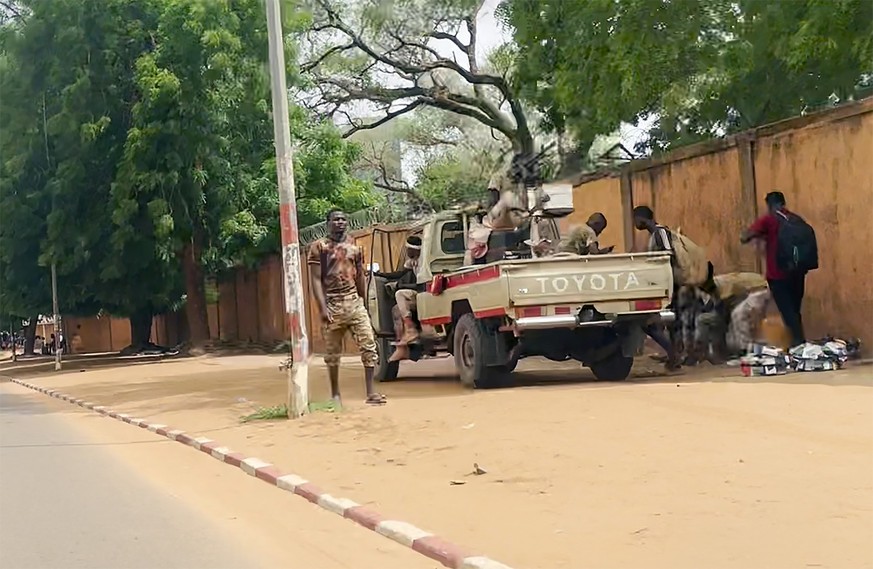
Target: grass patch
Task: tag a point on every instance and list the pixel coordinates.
(324, 407)
(267, 414)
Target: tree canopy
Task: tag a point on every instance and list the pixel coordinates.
(136, 145)
(701, 68)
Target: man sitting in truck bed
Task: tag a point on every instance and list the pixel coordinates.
(406, 280)
(583, 239)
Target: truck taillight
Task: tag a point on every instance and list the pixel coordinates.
(642, 305)
(531, 311)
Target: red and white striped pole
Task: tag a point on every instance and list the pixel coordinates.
(298, 373)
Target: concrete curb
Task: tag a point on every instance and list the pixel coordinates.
(415, 538)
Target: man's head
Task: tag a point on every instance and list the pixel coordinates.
(413, 247)
(775, 201)
(644, 217)
(336, 222)
(597, 222)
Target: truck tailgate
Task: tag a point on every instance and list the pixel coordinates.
(594, 278)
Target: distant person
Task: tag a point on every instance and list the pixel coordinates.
(584, 239)
(792, 251)
(76, 342)
(337, 278)
(38, 345)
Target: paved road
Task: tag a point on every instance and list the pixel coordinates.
(66, 502)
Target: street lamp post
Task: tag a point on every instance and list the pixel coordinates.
(298, 371)
(57, 318)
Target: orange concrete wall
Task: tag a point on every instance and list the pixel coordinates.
(247, 306)
(603, 195)
(826, 173)
(700, 195)
(822, 164)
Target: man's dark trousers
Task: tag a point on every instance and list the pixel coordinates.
(788, 295)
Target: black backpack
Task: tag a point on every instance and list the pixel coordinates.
(796, 246)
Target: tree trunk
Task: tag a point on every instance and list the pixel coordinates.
(141, 329)
(195, 305)
(30, 335)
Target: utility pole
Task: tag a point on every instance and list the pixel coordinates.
(298, 371)
(57, 318)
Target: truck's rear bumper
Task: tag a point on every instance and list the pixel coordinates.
(571, 321)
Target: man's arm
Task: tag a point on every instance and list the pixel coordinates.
(315, 282)
(318, 290)
(595, 249)
(757, 229)
(360, 282)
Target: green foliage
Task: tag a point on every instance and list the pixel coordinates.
(448, 180)
(274, 413)
(62, 121)
(130, 128)
(702, 67)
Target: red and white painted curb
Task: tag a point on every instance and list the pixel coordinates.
(404, 533)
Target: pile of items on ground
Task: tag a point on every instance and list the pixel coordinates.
(826, 354)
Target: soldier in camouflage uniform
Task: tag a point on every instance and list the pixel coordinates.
(337, 278)
(584, 239)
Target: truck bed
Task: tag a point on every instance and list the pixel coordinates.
(587, 279)
(612, 284)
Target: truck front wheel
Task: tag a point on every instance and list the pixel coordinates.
(469, 351)
(615, 367)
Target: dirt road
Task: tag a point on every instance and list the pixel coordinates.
(711, 471)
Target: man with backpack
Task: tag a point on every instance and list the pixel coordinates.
(792, 252)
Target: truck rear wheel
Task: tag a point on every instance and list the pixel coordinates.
(386, 371)
(615, 367)
(469, 352)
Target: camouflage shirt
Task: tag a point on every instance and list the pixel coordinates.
(579, 240)
(340, 263)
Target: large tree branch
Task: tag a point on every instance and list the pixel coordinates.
(393, 50)
(310, 65)
(336, 23)
(388, 117)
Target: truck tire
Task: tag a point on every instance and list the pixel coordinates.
(385, 371)
(469, 355)
(615, 367)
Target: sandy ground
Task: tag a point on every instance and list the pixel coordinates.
(708, 469)
(188, 510)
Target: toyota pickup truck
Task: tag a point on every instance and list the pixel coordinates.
(591, 308)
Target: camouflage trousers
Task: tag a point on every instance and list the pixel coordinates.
(349, 315)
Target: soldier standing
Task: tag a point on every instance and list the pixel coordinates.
(337, 279)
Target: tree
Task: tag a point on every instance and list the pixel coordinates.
(68, 96)
(198, 159)
(136, 141)
(396, 57)
(701, 67)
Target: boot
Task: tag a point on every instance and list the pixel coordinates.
(410, 332)
(401, 352)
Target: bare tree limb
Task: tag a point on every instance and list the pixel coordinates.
(381, 54)
(388, 117)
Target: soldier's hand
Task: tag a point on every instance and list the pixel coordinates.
(326, 316)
